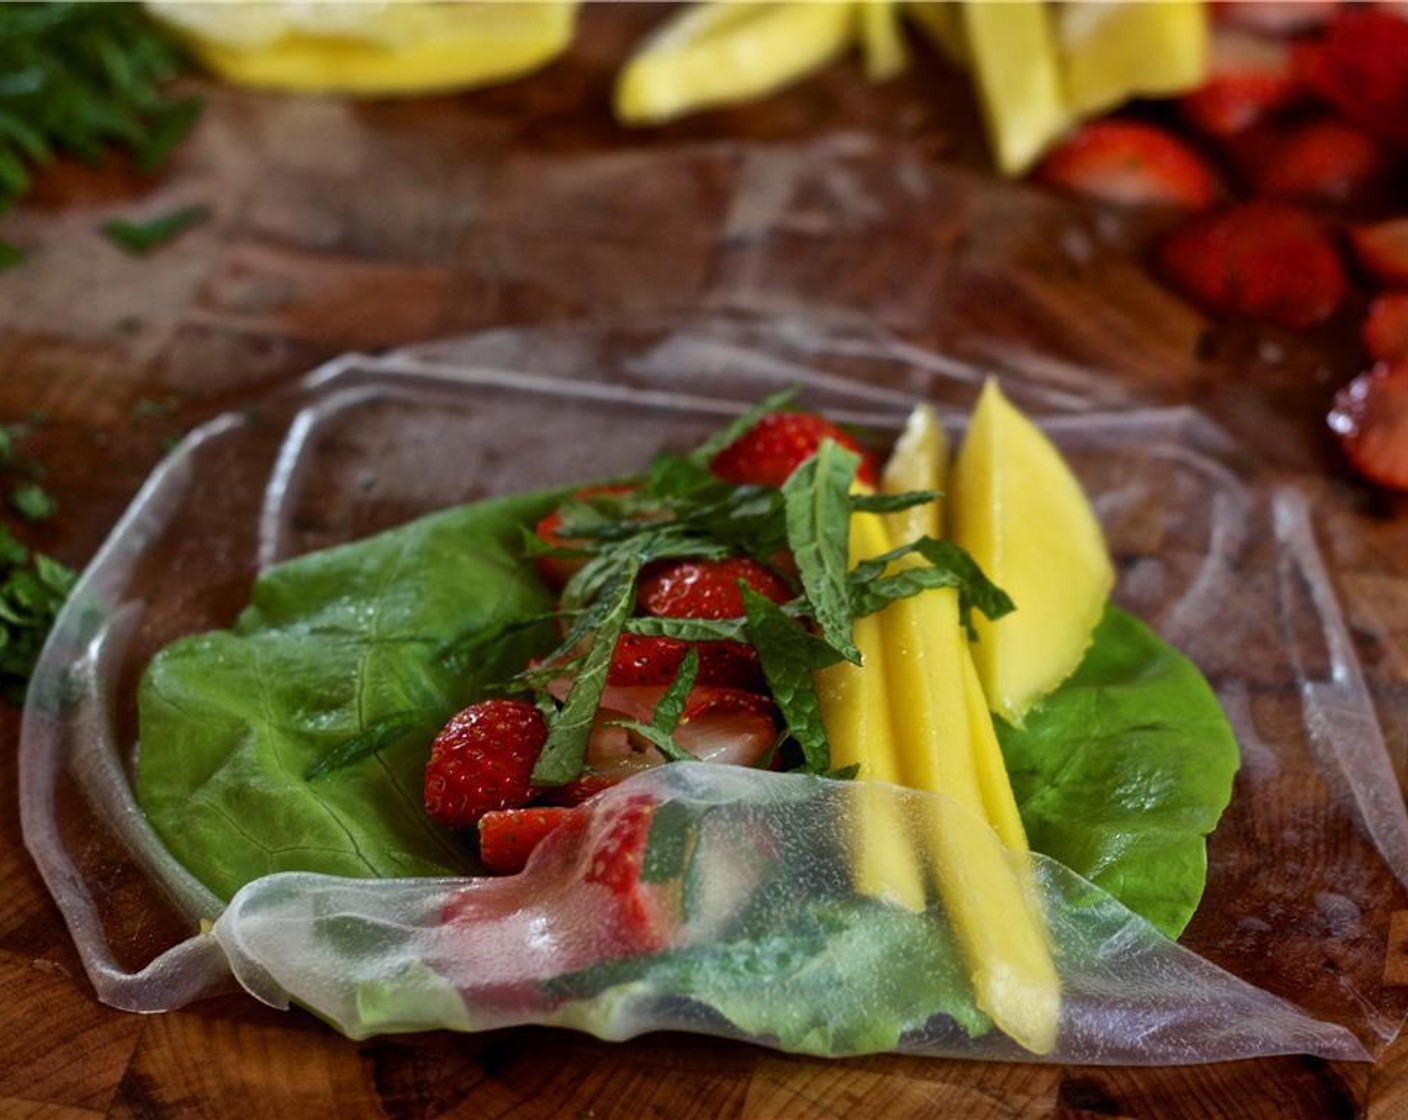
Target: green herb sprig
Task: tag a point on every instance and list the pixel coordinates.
(79, 79)
(32, 586)
(680, 509)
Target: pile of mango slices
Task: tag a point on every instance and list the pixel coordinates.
(1037, 66)
(916, 712)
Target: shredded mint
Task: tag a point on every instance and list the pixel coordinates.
(142, 238)
(32, 590)
(736, 428)
(789, 656)
(818, 507)
(32, 502)
(893, 503)
(565, 751)
(381, 734)
(947, 565)
(670, 707)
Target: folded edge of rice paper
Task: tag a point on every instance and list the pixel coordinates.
(740, 920)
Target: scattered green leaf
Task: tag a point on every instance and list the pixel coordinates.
(145, 237)
(32, 502)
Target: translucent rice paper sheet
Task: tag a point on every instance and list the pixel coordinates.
(1292, 948)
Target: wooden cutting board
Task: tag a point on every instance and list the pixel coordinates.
(340, 226)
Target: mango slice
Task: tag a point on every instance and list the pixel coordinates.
(717, 53)
(856, 715)
(882, 39)
(946, 744)
(1112, 52)
(1019, 511)
(1013, 59)
(371, 49)
(918, 462)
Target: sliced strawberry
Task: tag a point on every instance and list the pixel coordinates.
(1370, 417)
(483, 760)
(727, 725)
(1267, 260)
(1321, 161)
(507, 837)
(1382, 249)
(1385, 328)
(643, 660)
(645, 914)
(1361, 68)
(1249, 79)
(1130, 164)
(1275, 17)
(557, 570)
(779, 443)
(706, 588)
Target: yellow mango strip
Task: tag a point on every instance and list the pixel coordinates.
(946, 744)
(882, 39)
(719, 53)
(1020, 512)
(1113, 52)
(856, 715)
(917, 463)
(372, 49)
(991, 909)
(1015, 66)
(994, 783)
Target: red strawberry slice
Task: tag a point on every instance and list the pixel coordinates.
(1249, 79)
(483, 760)
(706, 588)
(557, 570)
(1130, 164)
(507, 837)
(1370, 417)
(1382, 249)
(727, 725)
(1322, 161)
(1385, 328)
(1267, 260)
(779, 443)
(645, 915)
(1361, 68)
(643, 660)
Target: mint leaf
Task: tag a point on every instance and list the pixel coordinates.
(381, 734)
(789, 656)
(669, 844)
(142, 238)
(33, 503)
(565, 751)
(670, 707)
(730, 432)
(892, 503)
(818, 504)
(947, 565)
(688, 629)
(11, 256)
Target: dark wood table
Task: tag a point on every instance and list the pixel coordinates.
(339, 226)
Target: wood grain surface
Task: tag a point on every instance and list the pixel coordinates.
(340, 226)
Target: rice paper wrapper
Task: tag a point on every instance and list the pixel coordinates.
(748, 889)
(753, 925)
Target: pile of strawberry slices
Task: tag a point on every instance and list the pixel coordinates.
(1292, 162)
(709, 695)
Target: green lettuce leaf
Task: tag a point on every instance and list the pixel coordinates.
(840, 977)
(333, 646)
(1122, 772)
